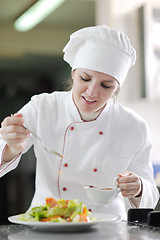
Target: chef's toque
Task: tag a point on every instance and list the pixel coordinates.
(100, 49)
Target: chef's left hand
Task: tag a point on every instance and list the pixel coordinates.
(130, 185)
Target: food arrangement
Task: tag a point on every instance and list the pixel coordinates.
(60, 211)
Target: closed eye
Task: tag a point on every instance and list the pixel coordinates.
(105, 86)
(85, 79)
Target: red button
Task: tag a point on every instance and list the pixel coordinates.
(71, 128)
(100, 132)
(90, 210)
(64, 188)
(95, 169)
(65, 165)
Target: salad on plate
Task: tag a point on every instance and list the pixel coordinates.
(60, 211)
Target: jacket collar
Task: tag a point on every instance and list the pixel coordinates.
(76, 114)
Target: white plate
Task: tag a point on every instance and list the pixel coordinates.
(69, 226)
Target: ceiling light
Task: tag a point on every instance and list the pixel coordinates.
(35, 14)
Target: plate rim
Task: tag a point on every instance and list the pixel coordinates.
(102, 219)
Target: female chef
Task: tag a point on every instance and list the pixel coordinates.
(97, 138)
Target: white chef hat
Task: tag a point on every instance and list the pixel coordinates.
(100, 49)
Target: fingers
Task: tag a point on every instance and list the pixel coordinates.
(12, 128)
(16, 119)
(13, 131)
(130, 184)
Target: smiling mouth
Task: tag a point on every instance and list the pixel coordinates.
(88, 100)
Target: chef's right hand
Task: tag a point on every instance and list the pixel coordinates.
(14, 134)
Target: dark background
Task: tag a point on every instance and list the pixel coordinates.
(19, 80)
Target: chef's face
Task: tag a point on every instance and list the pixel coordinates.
(92, 89)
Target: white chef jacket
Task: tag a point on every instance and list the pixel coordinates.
(94, 152)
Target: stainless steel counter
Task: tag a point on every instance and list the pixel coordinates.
(114, 231)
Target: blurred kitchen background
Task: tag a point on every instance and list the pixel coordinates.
(31, 62)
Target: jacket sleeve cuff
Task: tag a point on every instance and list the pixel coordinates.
(148, 198)
(135, 202)
(8, 166)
